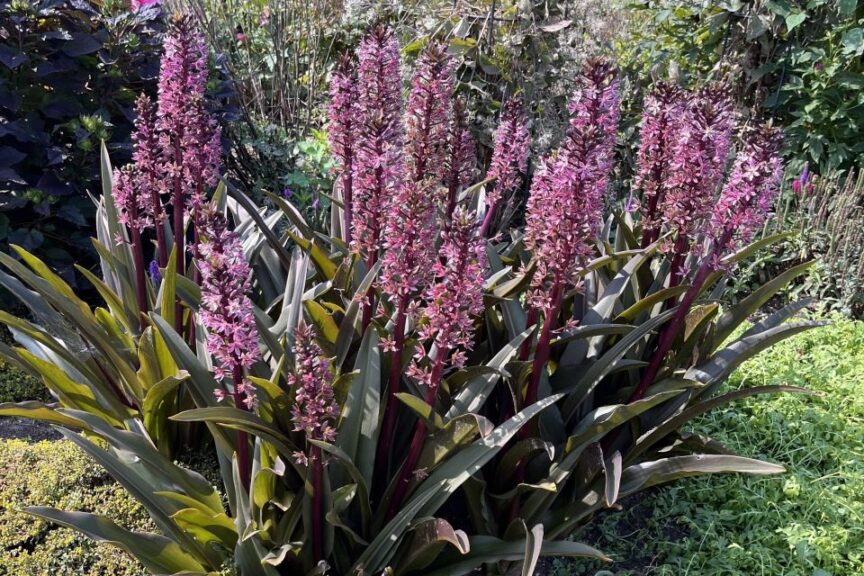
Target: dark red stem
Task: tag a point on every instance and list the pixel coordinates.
(179, 244)
(419, 438)
(243, 462)
(140, 277)
(347, 194)
(487, 219)
(317, 471)
(394, 385)
(669, 333)
(541, 354)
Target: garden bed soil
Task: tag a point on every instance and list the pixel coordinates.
(24, 429)
(639, 512)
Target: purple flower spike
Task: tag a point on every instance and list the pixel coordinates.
(567, 194)
(698, 161)
(132, 205)
(752, 186)
(427, 115)
(315, 408)
(509, 156)
(155, 274)
(189, 136)
(461, 155)
(455, 297)
(342, 131)
(662, 108)
(226, 311)
(378, 166)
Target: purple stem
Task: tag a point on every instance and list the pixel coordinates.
(317, 472)
(394, 379)
(668, 335)
(418, 439)
(242, 438)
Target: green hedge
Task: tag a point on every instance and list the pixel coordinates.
(16, 386)
(58, 474)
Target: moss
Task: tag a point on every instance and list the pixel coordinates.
(58, 474)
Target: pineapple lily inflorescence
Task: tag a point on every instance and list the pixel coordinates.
(427, 390)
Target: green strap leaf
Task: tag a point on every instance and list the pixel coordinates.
(158, 554)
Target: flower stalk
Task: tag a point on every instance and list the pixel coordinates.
(743, 207)
(342, 133)
(509, 158)
(453, 299)
(226, 313)
(314, 411)
(566, 203)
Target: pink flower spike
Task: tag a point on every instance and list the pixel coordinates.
(567, 196)
(751, 188)
(455, 297)
(698, 162)
(188, 135)
(342, 132)
(510, 154)
(378, 166)
(659, 132)
(226, 311)
(461, 155)
(427, 115)
(315, 408)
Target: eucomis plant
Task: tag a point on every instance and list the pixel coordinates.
(426, 390)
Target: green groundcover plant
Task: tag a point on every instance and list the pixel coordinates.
(424, 390)
(813, 522)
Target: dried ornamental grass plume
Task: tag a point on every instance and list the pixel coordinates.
(427, 115)
(342, 132)
(226, 311)
(661, 110)
(455, 297)
(510, 153)
(461, 155)
(315, 408)
(378, 164)
(751, 189)
(567, 194)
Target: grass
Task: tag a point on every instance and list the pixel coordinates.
(808, 522)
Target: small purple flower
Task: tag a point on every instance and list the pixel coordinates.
(287, 193)
(316, 203)
(155, 274)
(802, 183)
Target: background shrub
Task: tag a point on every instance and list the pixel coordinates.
(59, 474)
(69, 73)
(800, 63)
